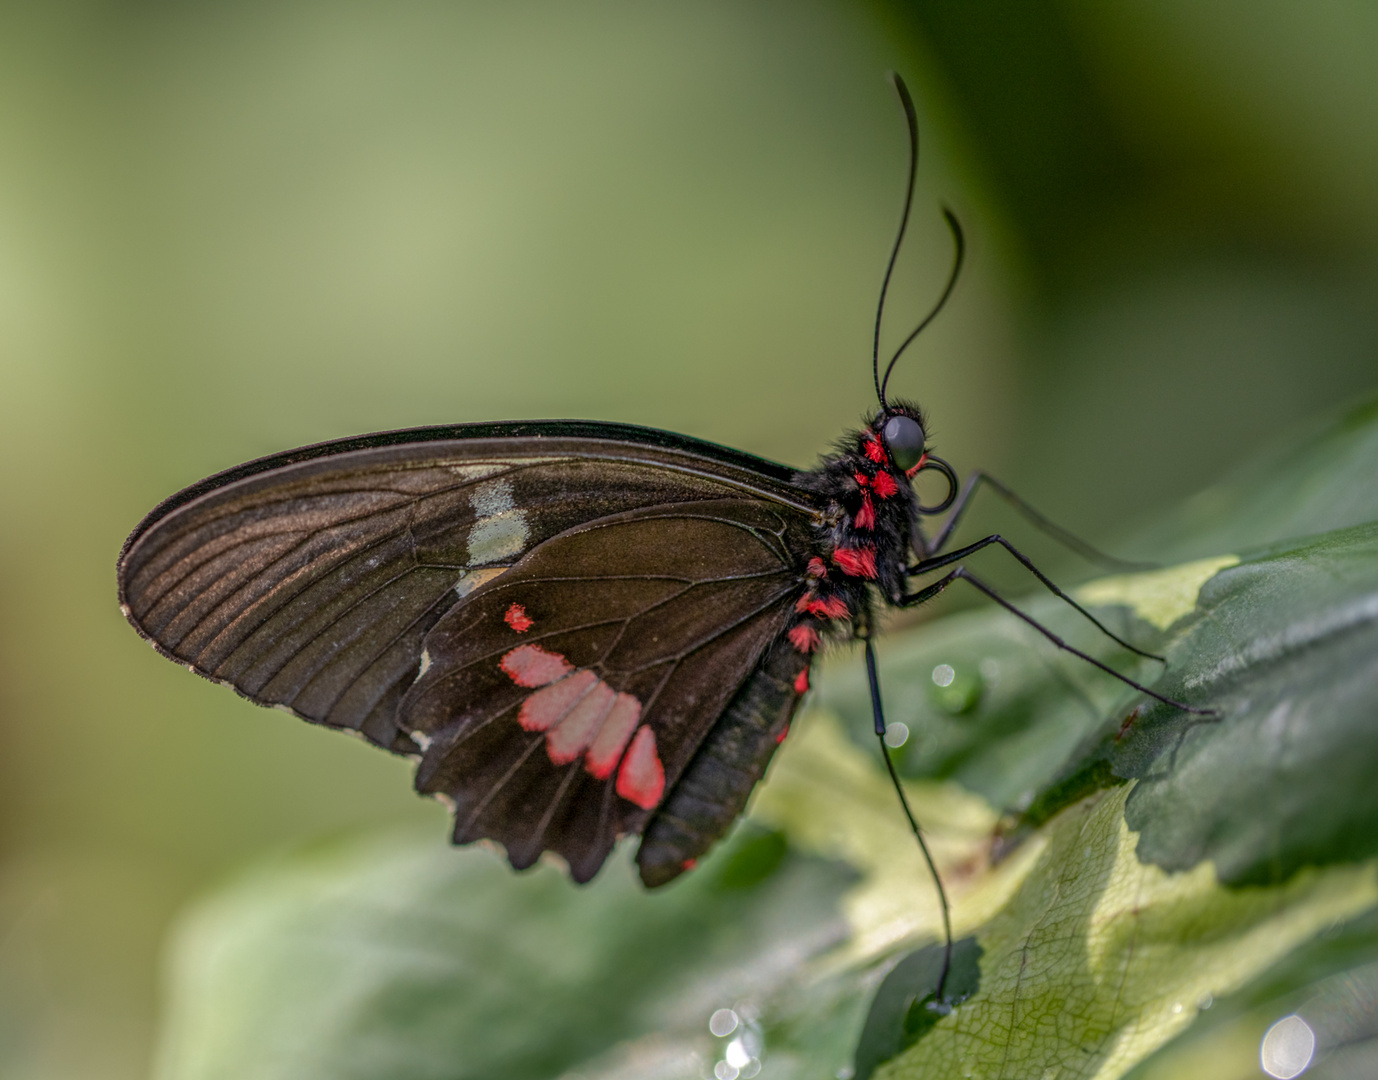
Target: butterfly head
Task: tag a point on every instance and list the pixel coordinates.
(900, 430)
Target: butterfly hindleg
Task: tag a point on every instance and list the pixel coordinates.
(878, 715)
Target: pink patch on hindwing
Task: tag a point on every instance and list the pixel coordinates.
(546, 708)
(641, 780)
(606, 749)
(531, 665)
(572, 736)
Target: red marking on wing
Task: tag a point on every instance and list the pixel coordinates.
(833, 607)
(606, 749)
(884, 485)
(856, 562)
(874, 450)
(531, 665)
(577, 730)
(801, 684)
(546, 708)
(803, 637)
(817, 568)
(518, 619)
(688, 864)
(641, 780)
(781, 737)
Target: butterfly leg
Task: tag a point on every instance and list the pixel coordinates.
(878, 714)
(961, 573)
(1043, 524)
(939, 561)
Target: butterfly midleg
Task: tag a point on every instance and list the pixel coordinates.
(939, 561)
(961, 573)
(1043, 524)
(878, 715)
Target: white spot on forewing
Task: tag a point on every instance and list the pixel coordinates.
(500, 529)
(478, 472)
(491, 498)
(498, 537)
(421, 739)
(425, 662)
(474, 578)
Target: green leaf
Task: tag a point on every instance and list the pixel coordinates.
(397, 957)
(1318, 480)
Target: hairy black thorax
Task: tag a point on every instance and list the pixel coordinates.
(863, 540)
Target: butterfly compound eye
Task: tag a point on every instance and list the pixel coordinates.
(904, 438)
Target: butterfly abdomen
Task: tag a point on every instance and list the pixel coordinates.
(719, 779)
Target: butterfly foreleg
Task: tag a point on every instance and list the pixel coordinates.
(974, 481)
(939, 561)
(964, 574)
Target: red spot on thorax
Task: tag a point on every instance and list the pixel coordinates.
(832, 607)
(874, 450)
(866, 516)
(801, 682)
(803, 637)
(816, 568)
(856, 562)
(641, 780)
(518, 619)
(884, 485)
(531, 665)
(688, 864)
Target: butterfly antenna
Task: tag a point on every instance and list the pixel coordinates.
(912, 120)
(879, 715)
(959, 242)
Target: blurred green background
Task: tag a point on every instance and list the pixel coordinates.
(227, 230)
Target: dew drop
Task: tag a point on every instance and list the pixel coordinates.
(1287, 1048)
(723, 1022)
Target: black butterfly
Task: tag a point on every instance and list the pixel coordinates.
(579, 630)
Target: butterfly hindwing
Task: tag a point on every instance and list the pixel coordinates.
(560, 702)
(310, 580)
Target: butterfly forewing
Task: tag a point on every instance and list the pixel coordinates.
(309, 580)
(562, 700)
